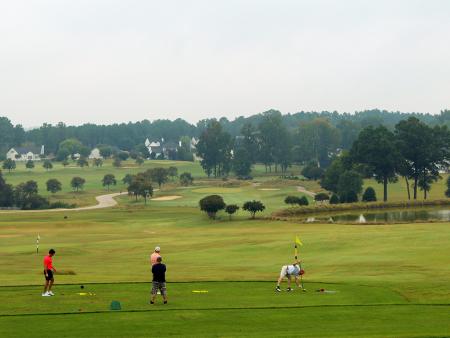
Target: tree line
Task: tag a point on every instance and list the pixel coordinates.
(127, 136)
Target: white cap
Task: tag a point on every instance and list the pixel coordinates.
(157, 249)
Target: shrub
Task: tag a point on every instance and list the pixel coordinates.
(61, 205)
(186, 179)
(334, 199)
(211, 205)
(349, 197)
(303, 201)
(291, 200)
(322, 196)
(253, 207)
(369, 195)
(231, 209)
(312, 171)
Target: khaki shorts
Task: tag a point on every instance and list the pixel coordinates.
(161, 286)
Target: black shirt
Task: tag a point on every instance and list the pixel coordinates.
(159, 272)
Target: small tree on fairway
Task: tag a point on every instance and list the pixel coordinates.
(108, 180)
(53, 185)
(82, 162)
(230, 209)
(447, 192)
(9, 164)
(47, 165)
(158, 175)
(65, 163)
(253, 207)
(322, 196)
(98, 162)
(211, 205)
(29, 164)
(369, 195)
(186, 179)
(172, 172)
(334, 199)
(141, 186)
(291, 200)
(77, 183)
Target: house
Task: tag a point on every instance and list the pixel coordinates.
(154, 148)
(29, 153)
(95, 154)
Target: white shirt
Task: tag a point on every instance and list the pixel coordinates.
(293, 270)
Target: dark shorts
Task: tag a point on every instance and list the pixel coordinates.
(161, 286)
(49, 275)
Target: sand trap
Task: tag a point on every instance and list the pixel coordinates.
(269, 189)
(167, 198)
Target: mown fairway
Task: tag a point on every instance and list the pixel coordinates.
(390, 280)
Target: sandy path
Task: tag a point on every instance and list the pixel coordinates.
(306, 192)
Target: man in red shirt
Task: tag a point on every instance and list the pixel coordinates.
(48, 273)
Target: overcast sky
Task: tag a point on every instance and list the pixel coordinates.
(109, 61)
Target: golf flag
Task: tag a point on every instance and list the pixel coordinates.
(297, 243)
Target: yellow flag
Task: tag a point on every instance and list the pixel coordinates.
(298, 241)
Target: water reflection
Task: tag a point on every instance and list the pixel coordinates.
(392, 216)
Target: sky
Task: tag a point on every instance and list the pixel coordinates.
(106, 61)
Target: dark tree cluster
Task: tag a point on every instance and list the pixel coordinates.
(26, 195)
(413, 150)
(212, 204)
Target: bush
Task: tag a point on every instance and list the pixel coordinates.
(292, 200)
(253, 207)
(61, 205)
(349, 197)
(211, 205)
(334, 199)
(303, 201)
(34, 202)
(186, 179)
(369, 195)
(312, 171)
(231, 209)
(322, 196)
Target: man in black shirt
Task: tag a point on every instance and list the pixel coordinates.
(159, 280)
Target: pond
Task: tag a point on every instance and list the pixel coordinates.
(387, 216)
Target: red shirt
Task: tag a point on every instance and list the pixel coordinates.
(48, 263)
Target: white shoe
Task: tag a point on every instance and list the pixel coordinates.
(46, 294)
(51, 293)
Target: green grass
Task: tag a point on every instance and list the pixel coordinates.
(391, 279)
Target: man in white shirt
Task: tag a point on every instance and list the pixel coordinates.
(288, 271)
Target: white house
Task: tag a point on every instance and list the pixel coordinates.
(95, 154)
(154, 147)
(25, 153)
